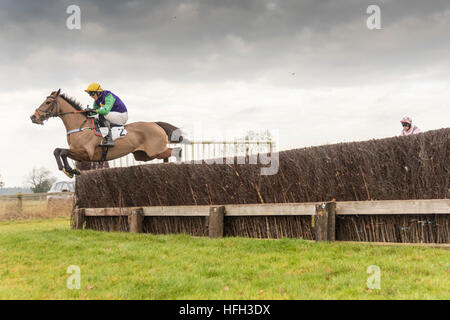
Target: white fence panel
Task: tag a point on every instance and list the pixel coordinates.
(206, 149)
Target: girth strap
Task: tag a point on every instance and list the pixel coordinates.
(104, 153)
(77, 130)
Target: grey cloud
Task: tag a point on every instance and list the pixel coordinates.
(293, 43)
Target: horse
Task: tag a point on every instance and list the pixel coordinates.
(146, 140)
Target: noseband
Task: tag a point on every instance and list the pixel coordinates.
(49, 112)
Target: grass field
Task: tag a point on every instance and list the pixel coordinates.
(35, 256)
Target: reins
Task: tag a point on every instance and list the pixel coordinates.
(48, 112)
(70, 112)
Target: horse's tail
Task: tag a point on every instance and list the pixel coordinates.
(173, 133)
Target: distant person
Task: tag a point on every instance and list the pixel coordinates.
(110, 108)
(408, 127)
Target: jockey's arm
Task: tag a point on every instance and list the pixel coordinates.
(106, 108)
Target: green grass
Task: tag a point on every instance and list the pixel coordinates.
(35, 255)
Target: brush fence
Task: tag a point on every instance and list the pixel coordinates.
(406, 221)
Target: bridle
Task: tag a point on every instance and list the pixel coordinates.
(49, 112)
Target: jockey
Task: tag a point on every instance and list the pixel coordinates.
(110, 108)
(408, 128)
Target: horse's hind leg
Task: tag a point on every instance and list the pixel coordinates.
(176, 152)
(165, 155)
(169, 152)
(141, 156)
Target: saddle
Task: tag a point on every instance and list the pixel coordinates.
(117, 130)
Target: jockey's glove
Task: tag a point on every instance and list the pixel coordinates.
(90, 110)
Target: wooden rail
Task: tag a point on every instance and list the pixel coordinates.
(323, 214)
(281, 209)
(438, 206)
(23, 198)
(26, 196)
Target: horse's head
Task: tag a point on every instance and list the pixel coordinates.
(48, 108)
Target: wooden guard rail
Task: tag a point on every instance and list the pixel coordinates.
(323, 214)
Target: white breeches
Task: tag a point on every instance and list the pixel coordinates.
(117, 117)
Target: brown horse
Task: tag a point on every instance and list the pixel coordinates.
(146, 140)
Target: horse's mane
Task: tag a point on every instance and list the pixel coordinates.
(74, 103)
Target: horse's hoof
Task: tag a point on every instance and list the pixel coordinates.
(176, 152)
(70, 175)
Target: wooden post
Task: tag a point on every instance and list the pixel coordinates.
(136, 220)
(19, 203)
(215, 221)
(331, 208)
(325, 221)
(79, 218)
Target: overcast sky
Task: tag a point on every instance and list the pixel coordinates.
(310, 69)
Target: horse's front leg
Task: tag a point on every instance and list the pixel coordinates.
(64, 166)
(69, 171)
(57, 154)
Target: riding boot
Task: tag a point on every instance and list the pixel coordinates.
(107, 141)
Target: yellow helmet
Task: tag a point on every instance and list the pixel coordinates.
(94, 87)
